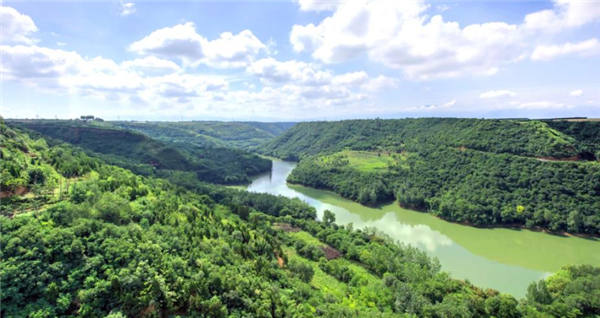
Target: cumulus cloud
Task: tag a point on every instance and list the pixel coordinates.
(67, 72)
(231, 50)
(183, 42)
(300, 84)
(151, 64)
(16, 27)
(180, 41)
(584, 48)
(498, 93)
(565, 14)
(576, 93)
(399, 34)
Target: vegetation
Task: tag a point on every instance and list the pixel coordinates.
(486, 183)
(586, 132)
(524, 138)
(115, 244)
(145, 155)
(244, 135)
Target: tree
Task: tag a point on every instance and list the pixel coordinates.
(328, 217)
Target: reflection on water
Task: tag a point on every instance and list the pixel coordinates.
(504, 259)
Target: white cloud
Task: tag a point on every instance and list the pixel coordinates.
(543, 105)
(180, 41)
(584, 48)
(231, 50)
(498, 93)
(151, 64)
(442, 8)
(399, 34)
(566, 14)
(449, 104)
(183, 42)
(16, 27)
(273, 72)
(39, 64)
(144, 79)
(61, 43)
(380, 83)
(576, 93)
(127, 8)
(318, 5)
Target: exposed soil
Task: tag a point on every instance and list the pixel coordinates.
(286, 227)
(330, 252)
(573, 158)
(18, 191)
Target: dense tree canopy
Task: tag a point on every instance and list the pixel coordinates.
(145, 155)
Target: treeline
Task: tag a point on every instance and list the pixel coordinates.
(243, 135)
(524, 138)
(145, 155)
(120, 245)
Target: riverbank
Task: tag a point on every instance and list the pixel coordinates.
(500, 258)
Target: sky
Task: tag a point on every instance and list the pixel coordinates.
(299, 60)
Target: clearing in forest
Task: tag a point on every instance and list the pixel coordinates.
(365, 161)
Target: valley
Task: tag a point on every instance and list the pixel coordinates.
(504, 259)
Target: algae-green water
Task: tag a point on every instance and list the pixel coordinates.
(504, 259)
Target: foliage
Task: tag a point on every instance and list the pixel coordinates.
(147, 156)
(525, 138)
(476, 171)
(123, 245)
(210, 134)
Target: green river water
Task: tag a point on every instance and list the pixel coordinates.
(503, 259)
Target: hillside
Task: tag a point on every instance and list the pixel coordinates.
(479, 172)
(141, 153)
(586, 132)
(525, 138)
(110, 243)
(243, 135)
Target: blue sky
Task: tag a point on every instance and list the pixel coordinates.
(300, 60)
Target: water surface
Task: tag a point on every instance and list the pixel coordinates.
(503, 259)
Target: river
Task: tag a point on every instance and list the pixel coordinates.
(504, 259)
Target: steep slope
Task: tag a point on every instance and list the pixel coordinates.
(143, 154)
(587, 132)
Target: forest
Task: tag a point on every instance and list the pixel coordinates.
(145, 155)
(84, 238)
(242, 135)
(479, 172)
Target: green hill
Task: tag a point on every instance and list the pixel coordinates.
(141, 153)
(95, 240)
(480, 172)
(525, 138)
(243, 135)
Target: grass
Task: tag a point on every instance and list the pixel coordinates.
(306, 237)
(320, 280)
(364, 294)
(364, 161)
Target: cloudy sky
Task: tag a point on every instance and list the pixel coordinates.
(300, 60)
